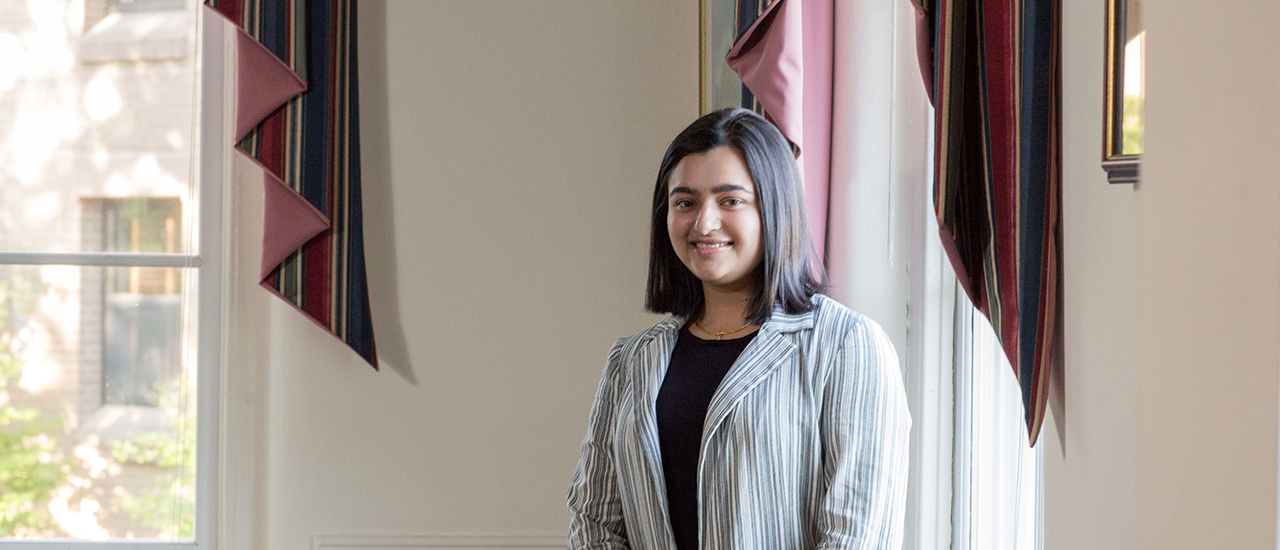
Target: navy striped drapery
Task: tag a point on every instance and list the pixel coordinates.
(994, 74)
(312, 144)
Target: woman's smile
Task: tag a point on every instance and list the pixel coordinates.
(709, 249)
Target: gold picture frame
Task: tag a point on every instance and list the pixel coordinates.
(719, 86)
(1125, 85)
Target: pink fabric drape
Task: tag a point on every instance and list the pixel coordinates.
(785, 58)
(263, 85)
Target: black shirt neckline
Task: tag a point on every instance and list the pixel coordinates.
(695, 339)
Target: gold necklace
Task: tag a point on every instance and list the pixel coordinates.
(721, 334)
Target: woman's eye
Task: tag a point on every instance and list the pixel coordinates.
(732, 202)
(685, 203)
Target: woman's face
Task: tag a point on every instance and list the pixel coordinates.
(713, 218)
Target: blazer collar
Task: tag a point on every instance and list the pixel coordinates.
(779, 321)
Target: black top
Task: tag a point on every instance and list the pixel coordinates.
(696, 369)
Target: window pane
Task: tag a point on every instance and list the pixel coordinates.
(96, 101)
(97, 402)
(994, 458)
(1135, 80)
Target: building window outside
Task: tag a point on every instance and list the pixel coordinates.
(141, 332)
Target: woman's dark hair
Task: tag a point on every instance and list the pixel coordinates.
(790, 273)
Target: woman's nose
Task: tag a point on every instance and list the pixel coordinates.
(708, 220)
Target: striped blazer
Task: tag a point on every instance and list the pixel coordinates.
(804, 445)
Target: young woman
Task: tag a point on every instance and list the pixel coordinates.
(760, 415)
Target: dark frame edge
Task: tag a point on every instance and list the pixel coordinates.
(1121, 169)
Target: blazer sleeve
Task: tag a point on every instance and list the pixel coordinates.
(865, 429)
(595, 506)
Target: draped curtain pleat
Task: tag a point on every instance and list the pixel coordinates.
(784, 56)
(994, 74)
(311, 147)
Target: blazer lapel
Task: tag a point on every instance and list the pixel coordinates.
(770, 348)
(650, 362)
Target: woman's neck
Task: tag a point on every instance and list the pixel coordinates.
(723, 309)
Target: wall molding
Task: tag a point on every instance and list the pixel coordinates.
(379, 542)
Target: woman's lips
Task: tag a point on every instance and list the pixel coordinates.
(711, 249)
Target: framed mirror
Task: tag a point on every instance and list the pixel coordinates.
(720, 23)
(720, 87)
(1125, 90)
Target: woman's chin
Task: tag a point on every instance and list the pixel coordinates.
(724, 282)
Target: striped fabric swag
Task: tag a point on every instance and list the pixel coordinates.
(994, 73)
(312, 144)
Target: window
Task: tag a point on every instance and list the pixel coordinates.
(973, 481)
(997, 476)
(110, 277)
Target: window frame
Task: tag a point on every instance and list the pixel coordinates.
(214, 52)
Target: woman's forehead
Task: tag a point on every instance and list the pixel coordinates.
(712, 171)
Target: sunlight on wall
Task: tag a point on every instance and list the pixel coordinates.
(35, 138)
(57, 325)
(101, 97)
(43, 207)
(10, 49)
(147, 177)
(81, 523)
(97, 465)
(47, 48)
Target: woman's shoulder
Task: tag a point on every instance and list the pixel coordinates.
(833, 319)
(668, 324)
(859, 346)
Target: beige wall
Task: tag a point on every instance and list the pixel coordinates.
(1172, 311)
(1209, 338)
(509, 156)
(1089, 452)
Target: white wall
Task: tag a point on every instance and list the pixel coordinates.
(1172, 306)
(1089, 452)
(1209, 339)
(509, 149)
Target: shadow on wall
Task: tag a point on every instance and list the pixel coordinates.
(375, 177)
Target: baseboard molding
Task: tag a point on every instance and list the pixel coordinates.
(335, 542)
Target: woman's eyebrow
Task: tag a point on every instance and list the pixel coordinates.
(727, 187)
(722, 188)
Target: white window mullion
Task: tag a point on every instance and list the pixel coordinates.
(215, 126)
(99, 259)
(962, 523)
